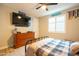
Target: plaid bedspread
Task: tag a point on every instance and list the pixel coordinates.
(50, 47)
(54, 48)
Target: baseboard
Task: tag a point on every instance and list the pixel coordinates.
(3, 47)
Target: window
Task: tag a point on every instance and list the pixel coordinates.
(57, 24)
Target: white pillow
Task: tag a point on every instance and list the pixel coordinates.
(74, 48)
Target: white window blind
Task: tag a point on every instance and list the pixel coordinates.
(57, 24)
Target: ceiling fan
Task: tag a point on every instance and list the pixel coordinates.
(44, 5)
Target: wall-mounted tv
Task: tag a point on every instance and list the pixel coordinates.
(20, 19)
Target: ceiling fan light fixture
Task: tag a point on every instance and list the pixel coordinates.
(44, 7)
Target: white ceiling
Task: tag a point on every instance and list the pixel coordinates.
(30, 8)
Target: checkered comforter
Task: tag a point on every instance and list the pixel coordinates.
(53, 48)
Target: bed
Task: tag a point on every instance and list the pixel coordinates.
(49, 47)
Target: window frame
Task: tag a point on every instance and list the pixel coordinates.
(56, 24)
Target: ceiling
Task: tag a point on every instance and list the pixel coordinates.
(30, 8)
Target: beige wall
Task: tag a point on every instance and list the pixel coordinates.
(35, 26)
(72, 29)
(6, 27)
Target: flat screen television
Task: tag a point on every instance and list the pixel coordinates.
(20, 19)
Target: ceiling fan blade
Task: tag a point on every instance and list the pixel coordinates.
(52, 3)
(48, 3)
(38, 7)
(46, 9)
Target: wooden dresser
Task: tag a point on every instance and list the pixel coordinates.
(21, 38)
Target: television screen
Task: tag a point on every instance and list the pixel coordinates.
(20, 20)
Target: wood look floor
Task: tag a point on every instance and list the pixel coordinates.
(13, 52)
